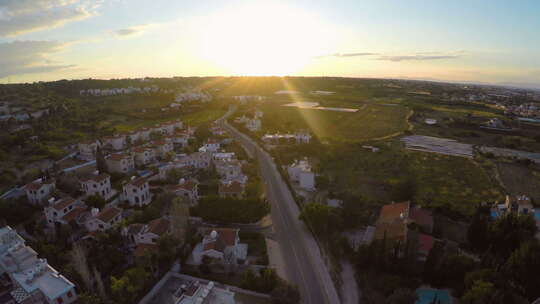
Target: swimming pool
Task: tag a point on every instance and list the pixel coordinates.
(494, 214)
(537, 215)
(426, 296)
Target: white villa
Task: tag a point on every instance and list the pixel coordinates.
(63, 211)
(97, 184)
(144, 156)
(39, 191)
(300, 172)
(88, 149)
(30, 280)
(211, 145)
(121, 163)
(222, 246)
(104, 220)
(137, 192)
(116, 142)
(187, 189)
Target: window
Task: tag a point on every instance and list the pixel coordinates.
(100, 226)
(69, 294)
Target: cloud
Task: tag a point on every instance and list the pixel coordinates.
(25, 57)
(133, 30)
(23, 16)
(348, 55)
(418, 57)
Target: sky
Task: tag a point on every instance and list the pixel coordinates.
(489, 41)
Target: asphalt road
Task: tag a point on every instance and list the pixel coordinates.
(304, 264)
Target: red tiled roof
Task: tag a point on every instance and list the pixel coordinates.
(188, 186)
(160, 142)
(138, 181)
(118, 156)
(392, 212)
(143, 249)
(226, 237)
(159, 226)
(96, 178)
(108, 214)
(34, 186)
(233, 187)
(391, 231)
(63, 203)
(73, 214)
(140, 149)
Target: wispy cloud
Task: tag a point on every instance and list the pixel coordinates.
(358, 54)
(23, 16)
(397, 58)
(419, 56)
(133, 30)
(25, 57)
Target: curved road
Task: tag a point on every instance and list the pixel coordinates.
(304, 264)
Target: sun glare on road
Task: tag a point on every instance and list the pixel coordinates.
(264, 40)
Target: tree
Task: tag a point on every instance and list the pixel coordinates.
(285, 293)
(100, 286)
(127, 288)
(522, 269)
(481, 292)
(321, 218)
(508, 232)
(402, 296)
(101, 164)
(404, 190)
(79, 262)
(477, 233)
(95, 201)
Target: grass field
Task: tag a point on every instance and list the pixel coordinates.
(519, 179)
(437, 181)
(371, 122)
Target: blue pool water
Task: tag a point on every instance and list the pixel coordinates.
(537, 215)
(426, 296)
(494, 214)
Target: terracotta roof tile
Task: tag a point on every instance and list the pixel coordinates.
(159, 226)
(143, 249)
(96, 178)
(392, 212)
(63, 203)
(233, 187)
(73, 214)
(108, 214)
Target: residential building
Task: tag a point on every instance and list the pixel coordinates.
(253, 125)
(116, 142)
(39, 191)
(228, 169)
(147, 233)
(222, 246)
(30, 280)
(200, 293)
(393, 226)
(134, 137)
(103, 220)
(232, 189)
(300, 172)
(121, 163)
(520, 204)
(180, 139)
(97, 184)
(224, 156)
(162, 148)
(63, 211)
(211, 145)
(144, 156)
(198, 160)
(188, 189)
(145, 134)
(137, 192)
(88, 149)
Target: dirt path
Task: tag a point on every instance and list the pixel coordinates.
(350, 293)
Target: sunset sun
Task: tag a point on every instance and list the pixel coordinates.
(264, 40)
